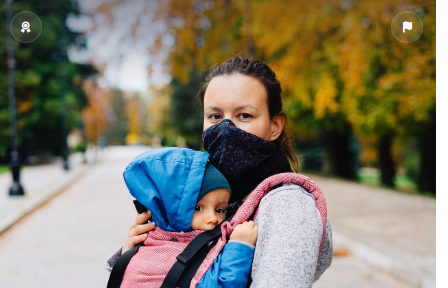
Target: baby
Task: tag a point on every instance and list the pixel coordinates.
(187, 196)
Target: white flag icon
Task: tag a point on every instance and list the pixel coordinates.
(407, 26)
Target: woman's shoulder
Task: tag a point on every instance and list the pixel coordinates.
(289, 201)
(287, 190)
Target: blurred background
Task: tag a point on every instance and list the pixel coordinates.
(360, 104)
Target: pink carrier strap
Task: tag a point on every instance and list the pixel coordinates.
(248, 207)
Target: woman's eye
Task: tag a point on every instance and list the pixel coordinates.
(245, 116)
(197, 208)
(220, 211)
(214, 116)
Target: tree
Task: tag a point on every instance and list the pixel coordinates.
(342, 69)
(96, 116)
(345, 70)
(38, 80)
(119, 125)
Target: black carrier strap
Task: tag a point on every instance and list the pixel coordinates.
(192, 268)
(117, 273)
(187, 264)
(197, 249)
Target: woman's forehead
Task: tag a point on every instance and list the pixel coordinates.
(234, 91)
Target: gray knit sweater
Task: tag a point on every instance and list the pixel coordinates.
(289, 235)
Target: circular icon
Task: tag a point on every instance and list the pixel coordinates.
(407, 27)
(25, 27)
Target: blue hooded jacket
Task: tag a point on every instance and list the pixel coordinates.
(167, 182)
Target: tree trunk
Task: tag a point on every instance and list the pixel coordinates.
(340, 153)
(250, 47)
(386, 163)
(427, 177)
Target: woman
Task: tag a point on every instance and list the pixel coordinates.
(245, 137)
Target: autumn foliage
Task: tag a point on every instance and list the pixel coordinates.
(343, 73)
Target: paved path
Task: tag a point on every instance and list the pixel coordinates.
(65, 242)
(392, 231)
(40, 184)
(353, 272)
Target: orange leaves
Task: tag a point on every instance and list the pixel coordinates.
(94, 115)
(24, 106)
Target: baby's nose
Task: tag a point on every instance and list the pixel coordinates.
(212, 219)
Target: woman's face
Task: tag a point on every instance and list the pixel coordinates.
(243, 100)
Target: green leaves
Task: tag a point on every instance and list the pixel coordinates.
(38, 79)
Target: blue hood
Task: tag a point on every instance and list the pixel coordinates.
(167, 182)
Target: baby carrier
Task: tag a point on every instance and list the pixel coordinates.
(199, 254)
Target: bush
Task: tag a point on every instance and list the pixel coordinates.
(411, 164)
(81, 147)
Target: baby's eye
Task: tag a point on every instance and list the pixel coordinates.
(197, 208)
(220, 211)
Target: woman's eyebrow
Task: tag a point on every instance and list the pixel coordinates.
(214, 108)
(245, 106)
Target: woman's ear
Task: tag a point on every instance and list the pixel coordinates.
(277, 124)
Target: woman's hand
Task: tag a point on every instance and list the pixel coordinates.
(245, 232)
(138, 231)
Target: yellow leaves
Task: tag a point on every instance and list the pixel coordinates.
(361, 90)
(327, 60)
(325, 99)
(349, 104)
(178, 70)
(132, 139)
(300, 93)
(132, 111)
(158, 110)
(305, 98)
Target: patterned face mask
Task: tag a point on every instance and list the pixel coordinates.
(234, 151)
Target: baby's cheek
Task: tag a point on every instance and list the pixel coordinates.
(194, 222)
(221, 218)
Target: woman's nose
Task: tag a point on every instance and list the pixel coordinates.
(233, 121)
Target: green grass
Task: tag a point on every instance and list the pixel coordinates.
(4, 169)
(402, 182)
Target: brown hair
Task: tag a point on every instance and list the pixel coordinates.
(267, 77)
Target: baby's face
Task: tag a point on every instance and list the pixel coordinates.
(210, 210)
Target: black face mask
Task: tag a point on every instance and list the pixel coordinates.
(234, 151)
(244, 159)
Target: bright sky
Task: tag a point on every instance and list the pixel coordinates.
(125, 59)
